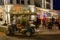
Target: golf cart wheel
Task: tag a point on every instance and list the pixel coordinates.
(28, 33)
(33, 30)
(9, 33)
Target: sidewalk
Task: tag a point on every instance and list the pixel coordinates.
(54, 30)
(48, 32)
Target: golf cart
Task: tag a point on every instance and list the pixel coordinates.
(26, 27)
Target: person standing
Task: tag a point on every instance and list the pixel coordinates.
(50, 24)
(59, 24)
(44, 23)
(37, 22)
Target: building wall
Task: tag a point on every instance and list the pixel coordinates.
(47, 4)
(40, 3)
(2, 15)
(15, 2)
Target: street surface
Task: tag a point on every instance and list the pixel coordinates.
(34, 37)
(40, 35)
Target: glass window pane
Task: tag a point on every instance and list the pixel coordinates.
(18, 1)
(28, 1)
(11, 1)
(1, 2)
(22, 1)
(38, 3)
(48, 6)
(48, 1)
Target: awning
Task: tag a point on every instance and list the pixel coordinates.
(54, 11)
(17, 9)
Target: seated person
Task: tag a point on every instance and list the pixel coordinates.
(5, 24)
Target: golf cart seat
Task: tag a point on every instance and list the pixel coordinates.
(19, 26)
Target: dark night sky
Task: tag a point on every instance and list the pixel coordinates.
(56, 4)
